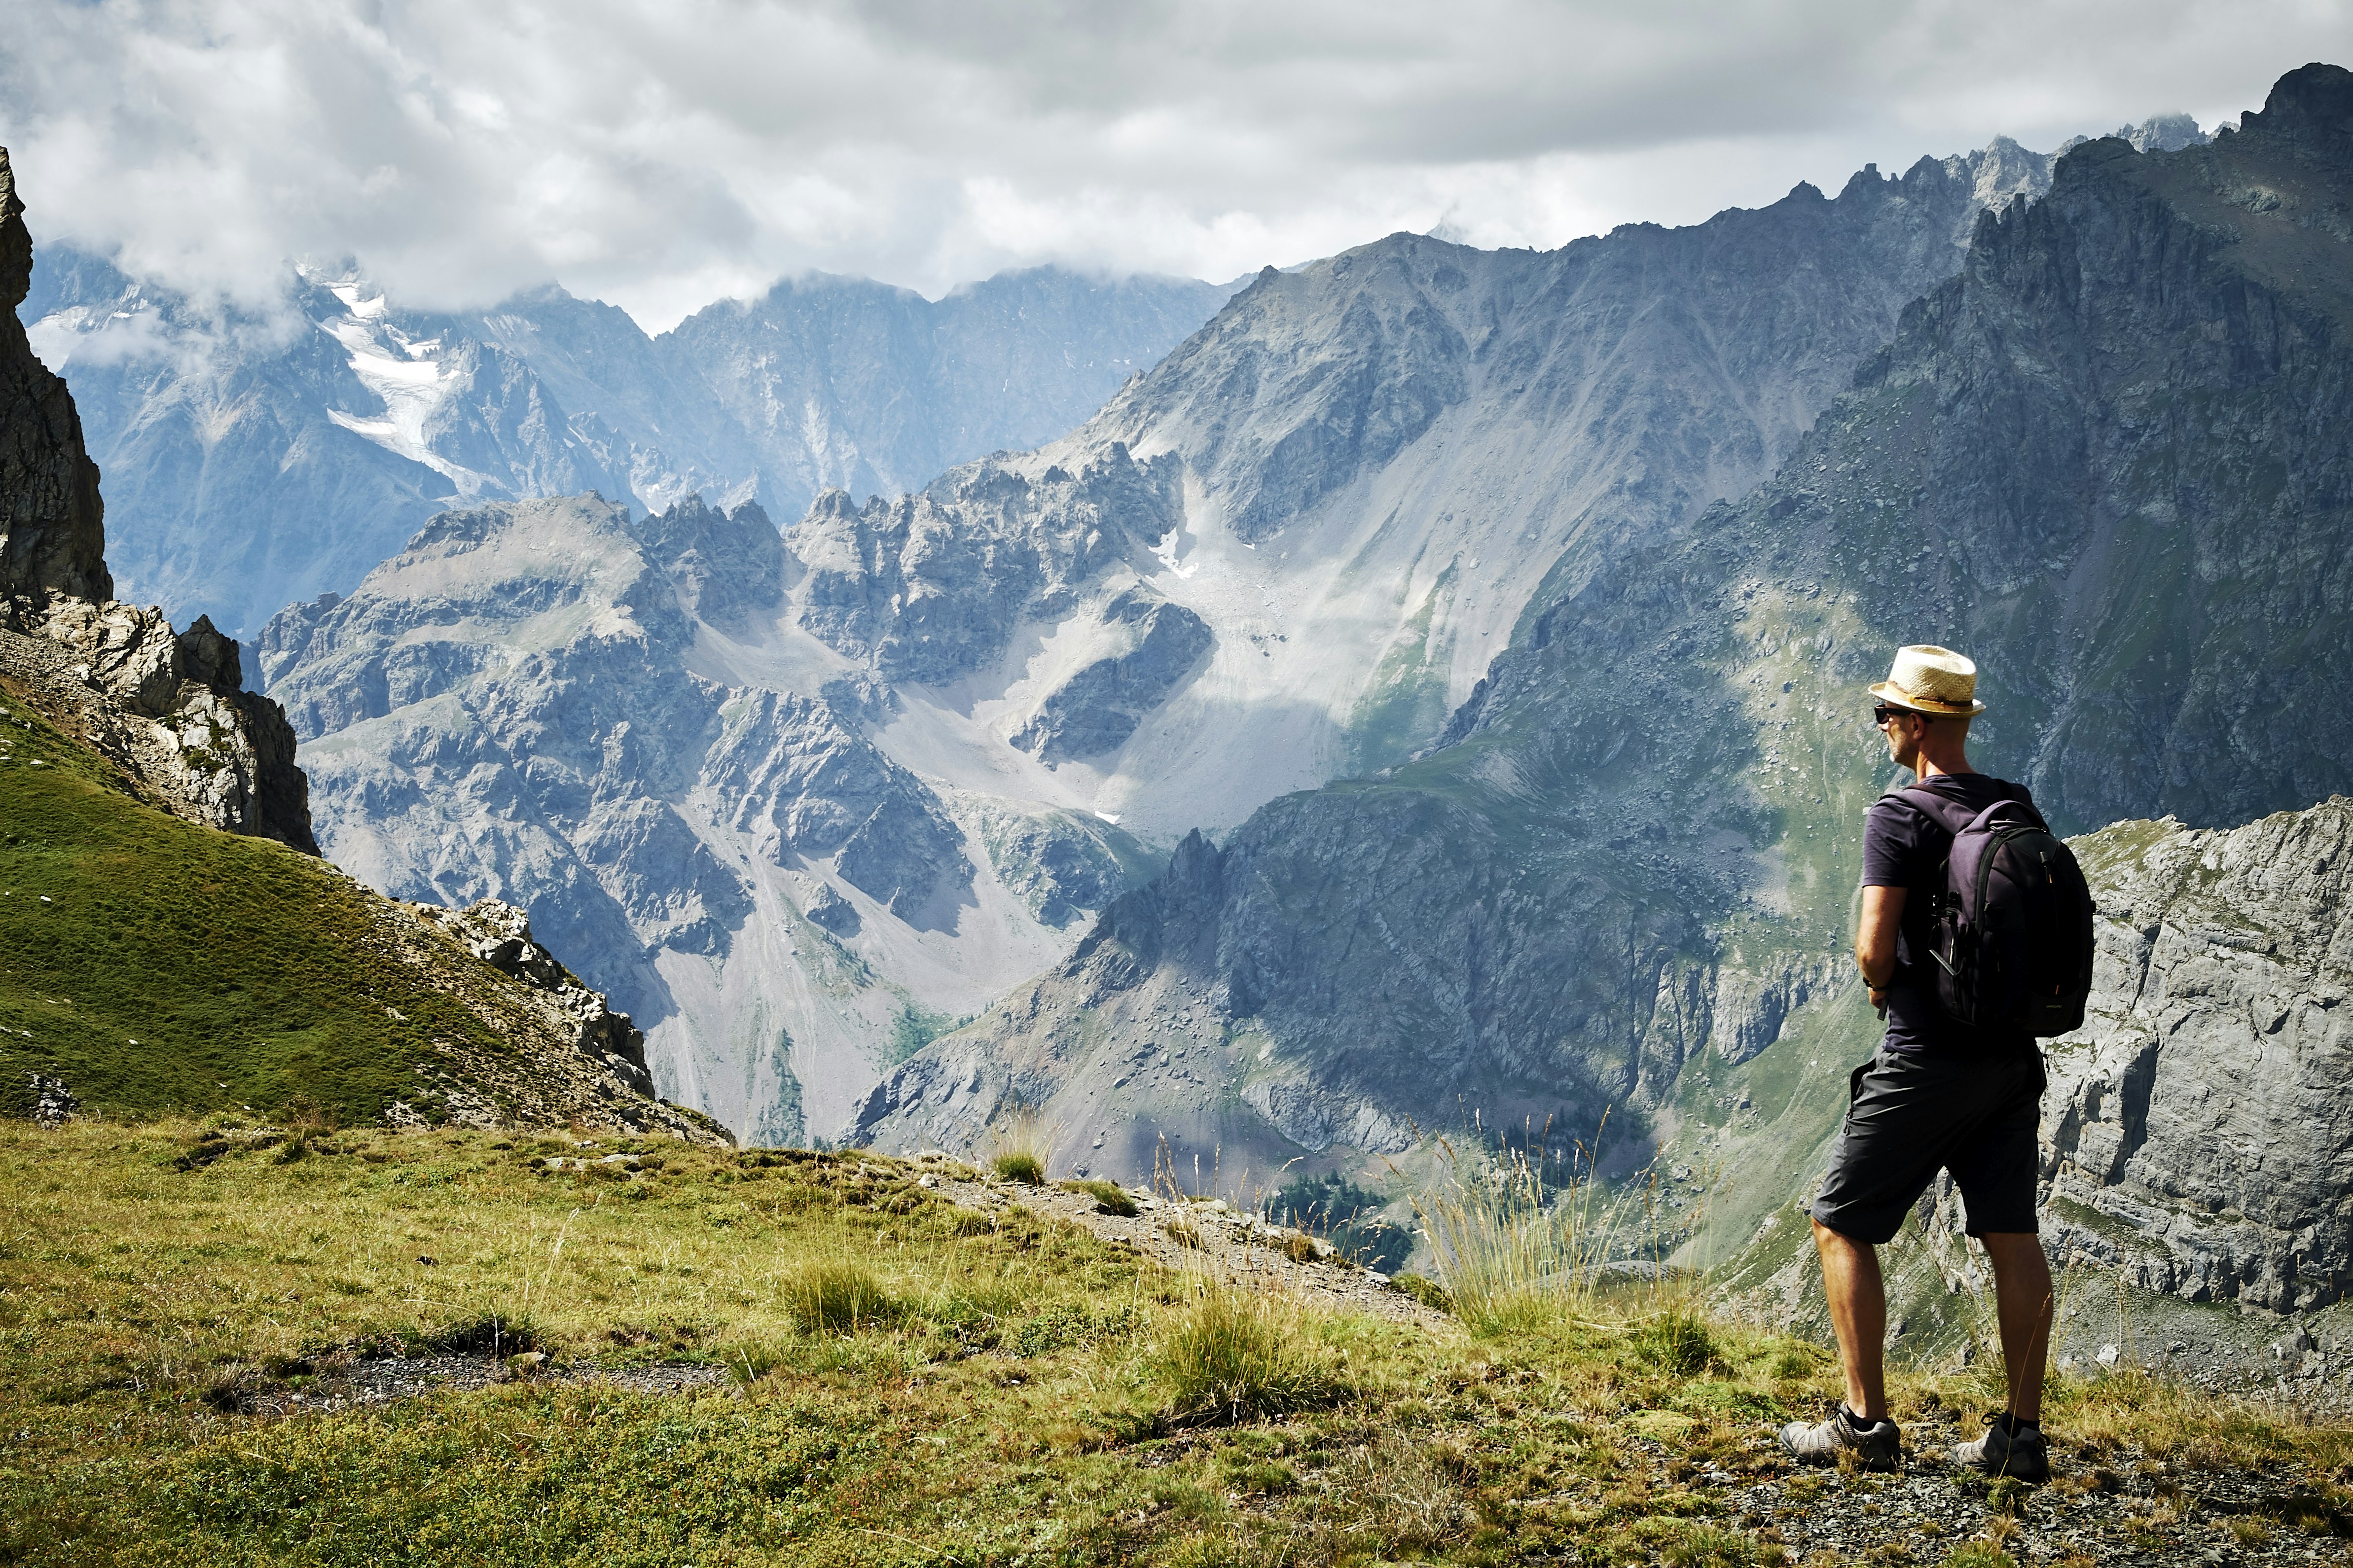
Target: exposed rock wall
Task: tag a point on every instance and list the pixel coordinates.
(52, 527)
(599, 717)
(2198, 1133)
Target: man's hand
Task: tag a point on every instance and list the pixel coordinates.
(1875, 941)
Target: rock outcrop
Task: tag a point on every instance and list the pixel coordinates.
(52, 528)
(2195, 1133)
(170, 708)
(609, 721)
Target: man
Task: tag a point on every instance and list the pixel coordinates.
(1938, 1095)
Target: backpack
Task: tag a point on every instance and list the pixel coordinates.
(2010, 930)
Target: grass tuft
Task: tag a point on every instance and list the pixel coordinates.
(1019, 1146)
(496, 1334)
(1679, 1342)
(1108, 1197)
(1232, 1356)
(836, 1298)
(1020, 1166)
(1518, 1251)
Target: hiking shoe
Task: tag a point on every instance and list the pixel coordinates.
(1877, 1446)
(2004, 1452)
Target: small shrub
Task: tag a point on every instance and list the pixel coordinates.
(1428, 1292)
(1020, 1166)
(1109, 1199)
(838, 1299)
(1300, 1248)
(1232, 1356)
(1182, 1232)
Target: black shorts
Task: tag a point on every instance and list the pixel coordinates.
(1911, 1115)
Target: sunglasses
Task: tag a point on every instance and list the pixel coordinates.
(1883, 713)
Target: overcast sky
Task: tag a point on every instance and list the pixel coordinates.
(661, 153)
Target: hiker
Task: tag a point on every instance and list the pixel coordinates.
(1940, 1093)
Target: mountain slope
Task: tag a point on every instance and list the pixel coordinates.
(2107, 458)
(1358, 478)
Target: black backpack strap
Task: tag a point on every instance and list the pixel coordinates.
(1948, 814)
(1952, 816)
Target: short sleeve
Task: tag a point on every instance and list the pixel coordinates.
(1890, 836)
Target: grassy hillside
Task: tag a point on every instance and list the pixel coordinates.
(158, 966)
(186, 1311)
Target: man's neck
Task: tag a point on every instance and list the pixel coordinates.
(1927, 767)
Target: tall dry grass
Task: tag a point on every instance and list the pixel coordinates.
(1021, 1146)
(1527, 1244)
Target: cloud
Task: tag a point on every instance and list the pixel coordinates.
(661, 152)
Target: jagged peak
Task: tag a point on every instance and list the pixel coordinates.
(2312, 99)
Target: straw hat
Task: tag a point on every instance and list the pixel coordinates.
(1931, 679)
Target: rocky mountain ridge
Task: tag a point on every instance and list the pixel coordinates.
(168, 708)
(1012, 670)
(230, 437)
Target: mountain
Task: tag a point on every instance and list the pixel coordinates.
(257, 458)
(157, 871)
(841, 383)
(800, 830)
(2105, 457)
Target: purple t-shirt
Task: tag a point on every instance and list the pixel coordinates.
(1904, 848)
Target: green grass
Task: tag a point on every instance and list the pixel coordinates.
(1232, 1355)
(175, 969)
(1020, 1166)
(911, 1383)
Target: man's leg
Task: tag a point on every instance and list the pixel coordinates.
(2023, 1298)
(1858, 1300)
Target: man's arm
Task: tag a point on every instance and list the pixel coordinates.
(1874, 940)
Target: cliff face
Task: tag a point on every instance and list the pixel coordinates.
(168, 708)
(2196, 1130)
(2108, 459)
(610, 721)
(52, 525)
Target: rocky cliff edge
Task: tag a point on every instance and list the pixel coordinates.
(168, 708)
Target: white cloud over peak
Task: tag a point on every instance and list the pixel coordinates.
(661, 152)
